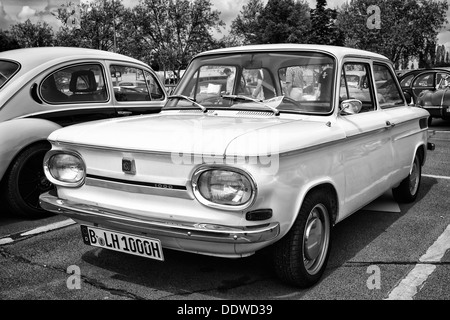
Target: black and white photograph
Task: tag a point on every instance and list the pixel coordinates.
(224, 158)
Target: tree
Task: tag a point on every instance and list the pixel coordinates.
(175, 30)
(246, 26)
(408, 28)
(101, 25)
(7, 42)
(29, 35)
(323, 25)
(284, 21)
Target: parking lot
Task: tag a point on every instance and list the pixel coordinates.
(385, 251)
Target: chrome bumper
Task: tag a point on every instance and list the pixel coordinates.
(176, 229)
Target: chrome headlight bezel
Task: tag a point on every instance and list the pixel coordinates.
(47, 168)
(239, 207)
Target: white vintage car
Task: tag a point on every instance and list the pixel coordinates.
(228, 175)
(44, 89)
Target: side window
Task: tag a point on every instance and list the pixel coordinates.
(156, 92)
(81, 83)
(424, 80)
(129, 84)
(356, 84)
(389, 94)
(406, 81)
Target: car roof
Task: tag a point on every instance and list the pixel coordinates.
(31, 57)
(417, 71)
(338, 52)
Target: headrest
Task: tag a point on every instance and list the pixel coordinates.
(87, 81)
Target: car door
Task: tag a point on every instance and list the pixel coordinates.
(367, 154)
(401, 129)
(136, 90)
(423, 81)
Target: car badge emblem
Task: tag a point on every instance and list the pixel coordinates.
(128, 166)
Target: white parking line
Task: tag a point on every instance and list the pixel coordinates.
(46, 228)
(409, 286)
(436, 177)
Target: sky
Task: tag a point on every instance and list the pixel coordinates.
(13, 11)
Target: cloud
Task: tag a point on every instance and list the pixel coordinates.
(5, 19)
(26, 13)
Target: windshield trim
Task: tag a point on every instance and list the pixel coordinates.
(209, 57)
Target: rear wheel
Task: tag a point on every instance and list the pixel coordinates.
(409, 188)
(300, 257)
(26, 180)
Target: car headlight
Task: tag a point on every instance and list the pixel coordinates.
(225, 188)
(65, 168)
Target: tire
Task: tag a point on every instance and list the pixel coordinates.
(430, 121)
(26, 180)
(409, 188)
(295, 262)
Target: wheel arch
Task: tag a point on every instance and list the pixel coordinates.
(321, 186)
(32, 131)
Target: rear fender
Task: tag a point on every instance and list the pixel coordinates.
(17, 134)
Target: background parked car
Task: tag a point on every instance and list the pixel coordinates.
(43, 89)
(416, 81)
(437, 101)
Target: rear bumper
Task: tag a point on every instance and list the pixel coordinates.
(190, 231)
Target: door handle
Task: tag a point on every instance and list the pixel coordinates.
(390, 124)
(124, 113)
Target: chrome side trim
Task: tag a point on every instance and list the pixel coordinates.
(134, 188)
(176, 229)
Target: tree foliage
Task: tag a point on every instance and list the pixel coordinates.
(175, 30)
(284, 21)
(7, 42)
(101, 25)
(408, 28)
(246, 26)
(29, 35)
(323, 25)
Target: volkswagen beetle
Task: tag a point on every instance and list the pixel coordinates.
(437, 100)
(220, 173)
(44, 89)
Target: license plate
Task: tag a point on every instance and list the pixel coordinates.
(122, 242)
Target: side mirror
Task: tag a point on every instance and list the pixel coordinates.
(351, 106)
(408, 97)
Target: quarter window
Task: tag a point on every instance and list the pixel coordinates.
(134, 84)
(75, 84)
(7, 70)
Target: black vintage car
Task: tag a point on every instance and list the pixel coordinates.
(416, 81)
(437, 100)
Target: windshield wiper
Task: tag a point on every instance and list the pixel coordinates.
(179, 96)
(235, 97)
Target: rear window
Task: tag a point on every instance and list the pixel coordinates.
(7, 70)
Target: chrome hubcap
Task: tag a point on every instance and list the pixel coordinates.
(316, 239)
(414, 178)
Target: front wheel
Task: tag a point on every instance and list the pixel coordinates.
(409, 188)
(300, 257)
(26, 181)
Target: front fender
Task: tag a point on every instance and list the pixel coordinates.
(17, 134)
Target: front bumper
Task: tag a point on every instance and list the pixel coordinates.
(163, 228)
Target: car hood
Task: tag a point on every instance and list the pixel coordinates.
(206, 134)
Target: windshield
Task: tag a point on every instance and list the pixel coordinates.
(299, 82)
(7, 70)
